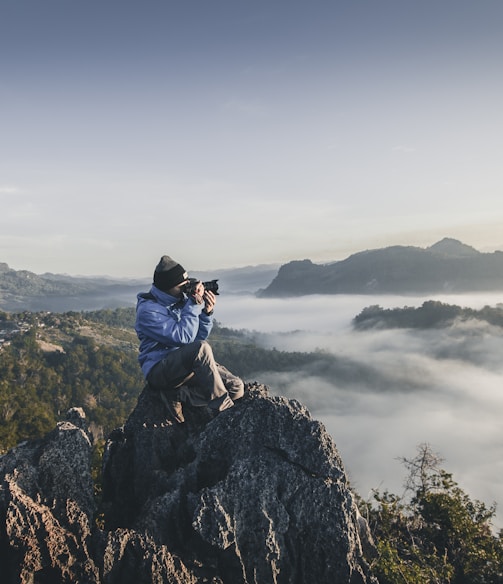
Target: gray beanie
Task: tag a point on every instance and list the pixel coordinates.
(168, 274)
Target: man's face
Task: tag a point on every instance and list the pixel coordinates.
(177, 291)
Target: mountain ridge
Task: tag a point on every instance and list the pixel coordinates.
(24, 290)
(448, 266)
(453, 248)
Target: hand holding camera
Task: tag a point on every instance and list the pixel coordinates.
(192, 283)
(202, 292)
(209, 301)
(198, 293)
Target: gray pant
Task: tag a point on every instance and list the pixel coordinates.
(210, 384)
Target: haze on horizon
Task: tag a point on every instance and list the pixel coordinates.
(230, 134)
(390, 390)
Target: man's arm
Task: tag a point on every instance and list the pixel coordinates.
(156, 323)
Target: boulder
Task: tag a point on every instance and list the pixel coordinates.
(257, 494)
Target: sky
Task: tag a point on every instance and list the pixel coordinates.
(227, 133)
(389, 391)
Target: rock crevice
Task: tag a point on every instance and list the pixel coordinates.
(256, 495)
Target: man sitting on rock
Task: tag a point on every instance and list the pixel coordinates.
(175, 358)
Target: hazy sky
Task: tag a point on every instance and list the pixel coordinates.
(228, 133)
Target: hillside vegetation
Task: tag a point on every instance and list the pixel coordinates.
(434, 533)
(52, 362)
(431, 314)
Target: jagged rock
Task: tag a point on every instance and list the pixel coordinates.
(131, 557)
(47, 508)
(256, 495)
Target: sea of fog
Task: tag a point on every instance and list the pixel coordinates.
(442, 387)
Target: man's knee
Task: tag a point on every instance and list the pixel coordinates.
(236, 389)
(194, 352)
(205, 352)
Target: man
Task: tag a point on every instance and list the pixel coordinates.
(175, 358)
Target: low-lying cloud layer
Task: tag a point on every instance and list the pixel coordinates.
(390, 390)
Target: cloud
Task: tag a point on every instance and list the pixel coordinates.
(388, 391)
(9, 190)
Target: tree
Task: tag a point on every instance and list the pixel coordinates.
(434, 533)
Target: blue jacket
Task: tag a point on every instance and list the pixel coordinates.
(165, 323)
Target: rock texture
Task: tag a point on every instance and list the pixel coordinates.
(256, 495)
(47, 508)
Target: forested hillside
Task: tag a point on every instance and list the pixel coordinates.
(430, 315)
(50, 363)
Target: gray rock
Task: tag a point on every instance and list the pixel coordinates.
(256, 495)
(47, 507)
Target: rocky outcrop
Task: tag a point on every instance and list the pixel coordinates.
(47, 508)
(256, 495)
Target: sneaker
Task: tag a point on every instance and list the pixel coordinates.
(226, 404)
(220, 404)
(173, 406)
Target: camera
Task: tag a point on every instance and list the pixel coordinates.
(190, 287)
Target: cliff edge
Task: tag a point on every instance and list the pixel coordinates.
(256, 495)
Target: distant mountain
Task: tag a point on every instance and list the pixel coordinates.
(241, 280)
(23, 290)
(453, 248)
(446, 266)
